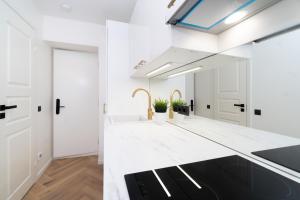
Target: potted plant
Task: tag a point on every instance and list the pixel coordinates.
(176, 104)
(160, 107)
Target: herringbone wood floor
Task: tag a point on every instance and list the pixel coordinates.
(70, 179)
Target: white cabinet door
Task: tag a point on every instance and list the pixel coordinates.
(139, 46)
(16, 135)
(76, 86)
(175, 5)
(231, 91)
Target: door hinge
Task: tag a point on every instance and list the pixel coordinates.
(171, 4)
(104, 108)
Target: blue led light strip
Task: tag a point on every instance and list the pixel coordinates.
(181, 21)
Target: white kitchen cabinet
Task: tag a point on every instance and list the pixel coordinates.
(174, 8)
(159, 43)
(139, 47)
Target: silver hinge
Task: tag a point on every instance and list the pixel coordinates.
(104, 108)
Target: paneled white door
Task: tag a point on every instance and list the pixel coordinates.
(231, 90)
(16, 139)
(76, 116)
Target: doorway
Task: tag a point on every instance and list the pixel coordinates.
(221, 90)
(75, 104)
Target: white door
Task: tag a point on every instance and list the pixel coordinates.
(16, 136)
(76, 120)
(231, 90)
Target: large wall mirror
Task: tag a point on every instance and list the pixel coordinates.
(246, 98)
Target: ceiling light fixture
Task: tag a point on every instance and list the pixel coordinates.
(66, 7)
(235, 17)
(185, 72)
(165, 66)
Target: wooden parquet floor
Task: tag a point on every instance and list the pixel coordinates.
(69, 179)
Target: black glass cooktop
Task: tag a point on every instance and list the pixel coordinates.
(228, 178)
(287, 156)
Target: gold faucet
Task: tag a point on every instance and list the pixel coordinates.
(150, 112)
(171, 109)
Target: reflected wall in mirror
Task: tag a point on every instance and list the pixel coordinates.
(220, 88)
(255, 85)
(246, 99)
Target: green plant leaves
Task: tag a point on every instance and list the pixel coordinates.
(160, 105)
(177, 103)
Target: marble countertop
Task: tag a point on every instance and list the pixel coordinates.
(135, 145)
(242, 139)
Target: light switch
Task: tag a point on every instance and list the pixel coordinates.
(257, 112)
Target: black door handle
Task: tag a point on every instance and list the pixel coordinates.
(2, 115)
(58, 106)
(4, 107)
(240, 105)
(192, 105)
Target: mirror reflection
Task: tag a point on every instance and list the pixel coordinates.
(246, 99)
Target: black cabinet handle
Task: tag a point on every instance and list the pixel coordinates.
(240, 105)
(4, 107)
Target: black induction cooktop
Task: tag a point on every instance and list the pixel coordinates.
(286, 156)
(228, 178)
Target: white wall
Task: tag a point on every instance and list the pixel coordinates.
(190, 89)
(276, 84)
(205, 93)
(278, 17)
(163, 88)
(43, 92)
(42, 82)
(120, 85)
(68, 31)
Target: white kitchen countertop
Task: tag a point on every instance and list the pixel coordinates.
(239, 138)
(134, 146)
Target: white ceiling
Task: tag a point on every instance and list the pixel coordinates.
(96, 11)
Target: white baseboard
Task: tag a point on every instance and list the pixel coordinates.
(43, 169)
(77, 156)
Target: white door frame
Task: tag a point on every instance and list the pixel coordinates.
(85, 65)
(102, 90)
(102, 98)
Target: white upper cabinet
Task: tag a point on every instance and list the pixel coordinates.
(139, 47)
(152, 40)
(173, 7)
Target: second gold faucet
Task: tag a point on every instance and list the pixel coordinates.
(171, 109)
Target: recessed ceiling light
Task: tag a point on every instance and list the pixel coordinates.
(165, 66)
(235, 17)
(66, 7)
(185, 72)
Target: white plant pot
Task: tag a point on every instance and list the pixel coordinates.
(178, 117)
(160, 117)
